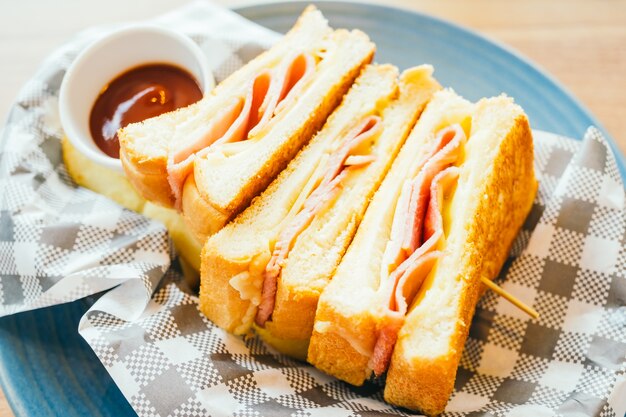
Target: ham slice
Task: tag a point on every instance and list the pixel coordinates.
(365, 130)
(285, 241)
(449, 142)
(292, 76)
(180, 162)
(337, 168)
(416, 233)
(241, 118)
(387, 337)
(406, 232)
(410, 274)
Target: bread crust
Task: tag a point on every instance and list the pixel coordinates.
(332, 353)
(425, 383)
(201, 217)
(149, 182)
(219, 300)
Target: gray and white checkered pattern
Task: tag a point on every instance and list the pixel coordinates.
(569, 362)
(59, 243)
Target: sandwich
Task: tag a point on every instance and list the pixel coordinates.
(211, 158)
(402, 299)
(268, 266)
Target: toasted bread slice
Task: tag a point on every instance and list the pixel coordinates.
(493, 195)
(224, 183)
(234, 260)
(317, 66)
(115, 186)
(145, 146)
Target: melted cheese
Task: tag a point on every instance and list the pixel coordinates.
(356, 343)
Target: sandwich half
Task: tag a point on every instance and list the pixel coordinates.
(211, 158)
(445, 216)
(270, 264)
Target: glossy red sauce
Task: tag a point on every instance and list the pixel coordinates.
(136, 95)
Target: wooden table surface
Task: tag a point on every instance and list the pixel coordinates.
(580, 42)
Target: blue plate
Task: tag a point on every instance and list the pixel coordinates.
(46, 368)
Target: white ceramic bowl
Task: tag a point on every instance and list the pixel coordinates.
(109, 57)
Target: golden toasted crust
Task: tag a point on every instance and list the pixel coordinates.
(152, 185)
(425, 382)
(297, 300)
(217, 297)
(294, 311)
(201, 218)
(332, 353)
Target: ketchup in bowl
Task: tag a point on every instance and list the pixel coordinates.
(136, 95)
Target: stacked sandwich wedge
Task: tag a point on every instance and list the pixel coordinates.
(271, 263)
(403, 297)
(211, 158)
(348, 213)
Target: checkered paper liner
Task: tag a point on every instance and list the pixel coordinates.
(59, 243)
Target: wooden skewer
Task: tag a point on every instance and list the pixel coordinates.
(510, 297)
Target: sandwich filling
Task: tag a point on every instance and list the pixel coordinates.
(266, 96)
(327, 181)
(417, 236)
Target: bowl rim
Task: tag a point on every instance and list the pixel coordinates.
(66, 112)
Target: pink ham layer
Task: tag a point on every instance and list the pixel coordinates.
(242, 117)
(336, 170)
(416, 232)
